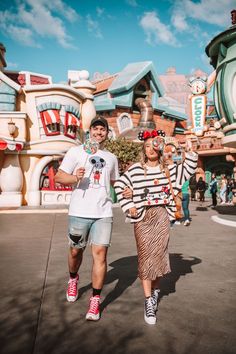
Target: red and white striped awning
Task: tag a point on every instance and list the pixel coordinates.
(11, 145)
(51, 116)
(72, 119)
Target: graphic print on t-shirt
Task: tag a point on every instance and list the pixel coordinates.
(98, 163)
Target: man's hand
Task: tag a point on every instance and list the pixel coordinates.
(127, 193)
(133, 212)
(80, 173)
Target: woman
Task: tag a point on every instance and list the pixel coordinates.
(185, 203)
(223, 190)
(150, 209)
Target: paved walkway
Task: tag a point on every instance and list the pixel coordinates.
(197, 312)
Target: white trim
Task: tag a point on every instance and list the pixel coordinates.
(216, 218)
(39, 152)
(12, 140)
(57, 138)
(12, 114)
(34, 194)
(28, 73)
(46, 87)
(9, 82)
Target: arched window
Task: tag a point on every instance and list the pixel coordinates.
(124, 122)
(47, 182)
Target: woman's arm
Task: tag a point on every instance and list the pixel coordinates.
(126, 202)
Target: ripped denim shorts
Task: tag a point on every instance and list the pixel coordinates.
(84, 230)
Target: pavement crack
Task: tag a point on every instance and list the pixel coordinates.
(43, 289)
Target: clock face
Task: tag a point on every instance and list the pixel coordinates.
(198, 87)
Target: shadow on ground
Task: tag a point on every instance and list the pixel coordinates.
(124, 273)
(55, 332)
(226, 209)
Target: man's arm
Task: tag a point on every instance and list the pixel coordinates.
(66, 178)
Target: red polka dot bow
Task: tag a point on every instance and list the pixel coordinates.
(143, 135)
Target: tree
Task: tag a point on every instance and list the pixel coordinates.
(126, 151)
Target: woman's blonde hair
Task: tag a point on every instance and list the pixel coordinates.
(143, 159)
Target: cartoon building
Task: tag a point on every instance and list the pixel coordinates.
(134, 99)
(39, 122)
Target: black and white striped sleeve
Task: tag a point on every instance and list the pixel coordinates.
(186, 169)
(121, 183)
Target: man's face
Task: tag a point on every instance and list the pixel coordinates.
(98, 133)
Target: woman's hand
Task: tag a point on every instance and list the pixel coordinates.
(127, 193)
(133, 212)
(188, 146)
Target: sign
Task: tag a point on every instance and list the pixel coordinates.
(198, 113)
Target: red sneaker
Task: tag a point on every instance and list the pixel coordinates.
(93, 313)
(72, 290)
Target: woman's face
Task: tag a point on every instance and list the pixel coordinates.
(151, 154)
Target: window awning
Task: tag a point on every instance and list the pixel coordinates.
(72, 119)
(51, 116)
(11, 145)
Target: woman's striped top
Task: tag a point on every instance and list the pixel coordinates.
(153, 188)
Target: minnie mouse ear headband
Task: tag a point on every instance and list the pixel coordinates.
(144, 135)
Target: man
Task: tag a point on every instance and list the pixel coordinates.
(213, 190)
(90, 211)
(193, 187)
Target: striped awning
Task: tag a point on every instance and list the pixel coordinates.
(11, 145)
(72, 119)
(51, 116)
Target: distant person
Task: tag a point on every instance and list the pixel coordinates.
(185, 203)
(193, 187)
(213, 190)
(201, 188)
(229, 190)
(223, 184)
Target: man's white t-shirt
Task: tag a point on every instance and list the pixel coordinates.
(91, 198)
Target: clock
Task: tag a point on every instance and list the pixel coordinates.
(198, 86)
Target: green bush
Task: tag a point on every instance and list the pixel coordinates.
(126, 151)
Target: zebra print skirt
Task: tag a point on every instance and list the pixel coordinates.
(152, 238)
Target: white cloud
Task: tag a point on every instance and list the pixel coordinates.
(179, 21)
(30, 18)
(132, 3)
(12, 65)
(99, 11)
(206, 61)
(93, 27)
(156, 31)
(209, 11)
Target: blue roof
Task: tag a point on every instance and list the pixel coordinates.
(132, 74)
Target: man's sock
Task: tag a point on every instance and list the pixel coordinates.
(96, 292)
(73, 275)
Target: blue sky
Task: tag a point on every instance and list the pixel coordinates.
(54, 36)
